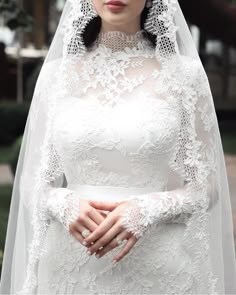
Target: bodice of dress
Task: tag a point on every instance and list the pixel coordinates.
(117, 128)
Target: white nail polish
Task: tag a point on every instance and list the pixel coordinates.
(84, 243)
(89, 252)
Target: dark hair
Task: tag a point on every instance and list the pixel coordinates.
(93, 28)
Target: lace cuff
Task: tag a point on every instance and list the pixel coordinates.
(156, 208)
(63, 205)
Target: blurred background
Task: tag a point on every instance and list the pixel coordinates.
(26, 30)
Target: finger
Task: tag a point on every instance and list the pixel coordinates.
(128, 246)
(106, 238)
(74, 232)
(104, 214)
(95, 216)
(80, 228)
(109, 206)
(87, 223)
(123, 237)
(101, 230)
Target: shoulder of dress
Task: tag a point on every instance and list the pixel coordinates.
(47, 75)
(195, 78)
(188, 62)
(50, 66)
(191, 68)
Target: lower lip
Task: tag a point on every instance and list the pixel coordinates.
(115, 7)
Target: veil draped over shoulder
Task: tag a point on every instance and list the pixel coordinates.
(198, 163)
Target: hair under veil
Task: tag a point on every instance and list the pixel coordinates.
(198, 163)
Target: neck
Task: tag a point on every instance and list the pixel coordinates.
(130, 28)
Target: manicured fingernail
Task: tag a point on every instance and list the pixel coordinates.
(114, 261)
(97, 255)
(89, 252)
(85, 243)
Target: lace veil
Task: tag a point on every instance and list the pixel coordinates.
(198, 163)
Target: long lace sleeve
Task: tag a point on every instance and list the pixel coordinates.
(194, 160)
(145, 210)
(62, 204)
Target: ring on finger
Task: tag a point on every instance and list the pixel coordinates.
(85, 233)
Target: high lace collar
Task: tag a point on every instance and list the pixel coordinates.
(119, 40)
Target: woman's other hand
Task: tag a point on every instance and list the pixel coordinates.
(89, 219)
(106, 234)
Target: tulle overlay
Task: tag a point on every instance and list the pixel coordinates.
(122, 120)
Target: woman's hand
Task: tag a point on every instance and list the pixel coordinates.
(105, 234)
(89, 219)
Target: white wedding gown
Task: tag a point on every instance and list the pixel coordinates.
(113, 145)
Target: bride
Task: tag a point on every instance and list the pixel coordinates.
(121, 185)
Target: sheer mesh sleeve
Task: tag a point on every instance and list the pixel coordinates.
(61, 203)
(194, 160)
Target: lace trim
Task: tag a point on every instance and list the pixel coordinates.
(81, 14)
(160, 23)
(63, 205)
(145, 211)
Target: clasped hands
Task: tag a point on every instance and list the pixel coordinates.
(105, 228)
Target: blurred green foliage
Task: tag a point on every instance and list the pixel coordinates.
(5, 154)
(5, 197)
(14, 16)
(229, 143)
